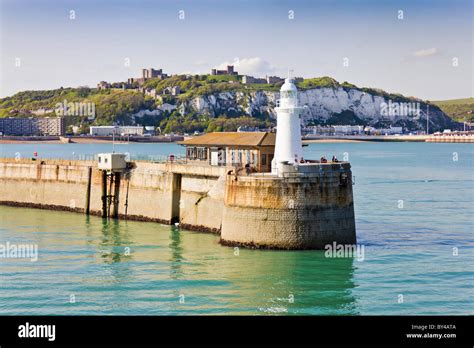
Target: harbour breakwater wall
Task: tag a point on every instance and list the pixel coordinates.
(264, 211)
(302, 211)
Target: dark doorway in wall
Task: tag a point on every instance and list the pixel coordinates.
(176, 197)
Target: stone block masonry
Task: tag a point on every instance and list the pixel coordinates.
(296, 212)
(304, 211)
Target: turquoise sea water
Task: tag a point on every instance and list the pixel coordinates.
(414, 216)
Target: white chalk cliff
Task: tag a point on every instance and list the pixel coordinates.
(336, 105)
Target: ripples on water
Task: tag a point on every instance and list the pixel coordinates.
(408, 251)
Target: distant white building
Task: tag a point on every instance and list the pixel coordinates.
(116, 130)
(150, 92)
(383, 131)
(396, 130)
(391, 130)
(33, 126)
(319, 130)
(241, 129)
(348, 130)
(150, 130)
(175, 90)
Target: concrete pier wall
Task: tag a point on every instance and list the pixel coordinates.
(304, 210)
(57, 184)
(202, 203)
(149, 192)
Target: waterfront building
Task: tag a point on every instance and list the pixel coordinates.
(393, 130)
(351, 130)
(150, 130)
(348, 130)
(247, 129)
(319, 130)
(116, 130)
(232, 149)
(16, 126)
(53, 126)
(288, 145)
(448, 136)
(383, 131)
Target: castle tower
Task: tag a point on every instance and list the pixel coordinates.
(288, 146)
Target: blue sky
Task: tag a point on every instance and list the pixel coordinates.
(413, 56)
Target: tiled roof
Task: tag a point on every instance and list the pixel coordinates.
(232, 139)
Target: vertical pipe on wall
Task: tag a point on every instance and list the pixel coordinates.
(109, 197)
(126, 197)
(116, 195)
(88, 192)
(104, 194)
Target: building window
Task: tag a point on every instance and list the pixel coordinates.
(202, 153)
(221, 157)
(264, 160)
(255, 159)
(191, 153)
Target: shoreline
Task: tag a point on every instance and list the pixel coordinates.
(97, 141)
(86, 140)
(366, 138)
(175, 139)
(310, 141)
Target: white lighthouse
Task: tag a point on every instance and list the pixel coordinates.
(288, 146)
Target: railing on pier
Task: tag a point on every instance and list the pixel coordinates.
(129, 157)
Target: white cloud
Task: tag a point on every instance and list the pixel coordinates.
(426, 52)
(200, 63)
(251, 66)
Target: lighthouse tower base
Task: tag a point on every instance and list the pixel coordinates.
(309, 207)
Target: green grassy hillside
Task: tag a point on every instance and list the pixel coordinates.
(117, 105)
(111, 105)
(458, 109)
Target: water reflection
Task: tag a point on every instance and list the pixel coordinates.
(164, 262)
(176, 251)
(294, 282)
(114, 249)
(258, 281)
